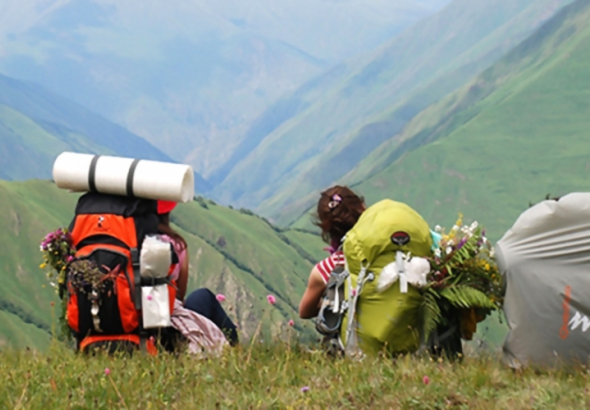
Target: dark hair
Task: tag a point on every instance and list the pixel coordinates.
(164, 227)
(338, 210)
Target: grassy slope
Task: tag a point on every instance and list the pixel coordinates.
(256, 259)
(14, 332)
(374, 99)
(516, 133)
(272, 377)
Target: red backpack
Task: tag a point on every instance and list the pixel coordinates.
(108, 231)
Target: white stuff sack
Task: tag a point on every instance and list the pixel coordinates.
(155, 306)
(155, 258)
(124, 176)
(415, 270)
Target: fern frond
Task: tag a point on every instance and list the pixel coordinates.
(462, 296)
(430, 312)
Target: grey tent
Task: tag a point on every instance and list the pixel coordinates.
(545, 261)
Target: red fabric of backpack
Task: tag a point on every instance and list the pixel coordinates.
(109, 231)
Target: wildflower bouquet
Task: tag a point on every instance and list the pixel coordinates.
(57, 252)
(463, 280)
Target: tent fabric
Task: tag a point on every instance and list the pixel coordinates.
(545, 261)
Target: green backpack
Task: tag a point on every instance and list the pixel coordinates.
(387, 320)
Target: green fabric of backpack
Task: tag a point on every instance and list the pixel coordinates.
(388, 320)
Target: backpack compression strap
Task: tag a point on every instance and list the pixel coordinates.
(130, 175)
(351, 342)
(143, 336)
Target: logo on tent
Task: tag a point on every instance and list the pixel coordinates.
(578, 320)
(575, 322)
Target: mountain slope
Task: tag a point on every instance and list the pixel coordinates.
(231, 252)
(190, 76)
(372, 99)
(36, 125)
(512, 135)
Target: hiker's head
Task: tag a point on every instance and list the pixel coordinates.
(338, 210)
(164, 209)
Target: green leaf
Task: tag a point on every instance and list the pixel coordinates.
(463, 296)
(430, 312)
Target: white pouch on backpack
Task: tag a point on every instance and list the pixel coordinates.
(155, 305)
(154, 263)
(155, 258)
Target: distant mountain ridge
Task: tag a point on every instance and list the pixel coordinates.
(36, 125)
(190, 77)
(334, 123)
(512, 135)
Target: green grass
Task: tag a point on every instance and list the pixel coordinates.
(271, 376)
(231, 252)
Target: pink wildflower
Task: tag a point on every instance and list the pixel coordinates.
(107, 371)
(426, 380)
(291, 323)
(220, 297)
(149, 297)
(304, 389)
(271, 299)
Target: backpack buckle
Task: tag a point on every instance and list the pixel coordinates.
(134, 257)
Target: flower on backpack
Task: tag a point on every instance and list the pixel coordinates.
(271, 299)
(57, 252)
(463, 276)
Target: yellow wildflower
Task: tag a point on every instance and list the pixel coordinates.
(43, 265)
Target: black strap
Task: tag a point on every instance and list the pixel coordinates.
(136, 277)
(101, 239)
(155, 281)
(130, 176)
(143, 335)
(92, 174)
(441, 338)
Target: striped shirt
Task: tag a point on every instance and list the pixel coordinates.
(326, 266)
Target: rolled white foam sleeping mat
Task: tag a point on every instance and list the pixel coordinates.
(124, 176)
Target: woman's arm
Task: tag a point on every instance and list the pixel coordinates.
(182, 281)
(310, 302)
